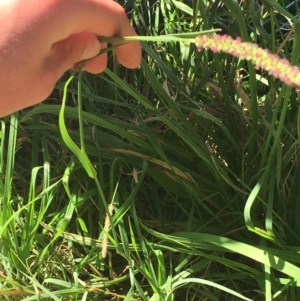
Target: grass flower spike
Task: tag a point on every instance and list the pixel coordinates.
(262, 58)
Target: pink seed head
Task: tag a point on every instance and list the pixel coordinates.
(262, 58)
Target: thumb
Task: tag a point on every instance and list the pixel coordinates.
(77, 47)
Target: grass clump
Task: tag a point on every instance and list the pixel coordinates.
(144, 184)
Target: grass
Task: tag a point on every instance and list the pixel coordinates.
(175, 181)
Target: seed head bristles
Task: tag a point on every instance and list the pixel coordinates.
(261, 58)
(110, 208)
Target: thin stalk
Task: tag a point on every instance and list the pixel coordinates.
(79, 98)
(2, 145)
(183, 37)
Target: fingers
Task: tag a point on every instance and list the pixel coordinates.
(97, 64)
(64, 54)
(129, 54)
(108, 18)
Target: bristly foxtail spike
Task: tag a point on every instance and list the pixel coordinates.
(262, 58)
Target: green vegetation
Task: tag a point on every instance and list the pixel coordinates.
(176, 181)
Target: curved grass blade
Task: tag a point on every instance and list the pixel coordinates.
(188, 281)
(81, 155)
(264, 256)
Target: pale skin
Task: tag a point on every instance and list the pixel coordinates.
(40, 40)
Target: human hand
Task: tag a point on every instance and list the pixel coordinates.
(40, 40)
